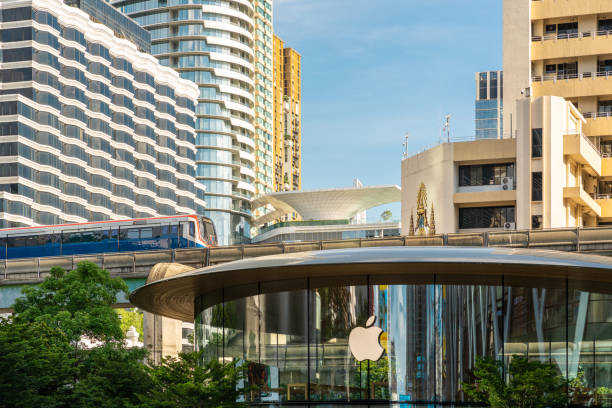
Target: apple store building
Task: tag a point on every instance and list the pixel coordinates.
(395, 326)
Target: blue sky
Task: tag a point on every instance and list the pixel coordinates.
(374, 70)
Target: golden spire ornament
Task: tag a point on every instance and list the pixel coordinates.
(421, 222)
(432, 222)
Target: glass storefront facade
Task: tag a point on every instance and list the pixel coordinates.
(293, 335)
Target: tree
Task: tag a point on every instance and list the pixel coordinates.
(531, 384)
(386, 215)
(185, 383)
(78, 303)
(109, 376)
(36, 365)
(52, 321)
(47, 361)
(129, 318)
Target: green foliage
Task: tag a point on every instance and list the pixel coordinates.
(603, 395)
(109, 376)
(377, 372)
(36, 365)
(578, 390)
(77, 302)
(531, 384)
(386, 215)
(131, 317)
(44, 362)
(185, 383)
(48, 365)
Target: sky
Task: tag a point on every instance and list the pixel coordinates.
(375, 70)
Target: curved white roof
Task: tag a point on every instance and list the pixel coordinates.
(329, 204)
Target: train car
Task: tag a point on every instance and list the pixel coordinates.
(141, 234)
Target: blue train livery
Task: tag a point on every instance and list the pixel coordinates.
(181, 231)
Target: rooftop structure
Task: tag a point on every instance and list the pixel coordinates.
(327, 204)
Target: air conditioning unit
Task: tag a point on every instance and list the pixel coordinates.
(507, 183)
(509, 226)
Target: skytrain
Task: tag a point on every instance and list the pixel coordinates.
(139, 234)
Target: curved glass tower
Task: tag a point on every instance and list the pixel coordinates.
(211, 43)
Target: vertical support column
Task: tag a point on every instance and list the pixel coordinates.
(538, 311)
(578, 334)
(308, 330)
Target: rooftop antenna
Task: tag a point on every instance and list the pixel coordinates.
(406, 136)
(446, 127)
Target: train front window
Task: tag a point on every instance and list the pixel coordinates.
(208, 231)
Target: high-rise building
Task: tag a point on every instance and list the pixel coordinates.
(101, 11)
(554, 48)
(557, 98)
(212, 42)
(489, 106)
(264, 98)
(92, 128)
(287, 118)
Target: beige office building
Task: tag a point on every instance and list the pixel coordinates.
(287, 117)
(553, 167)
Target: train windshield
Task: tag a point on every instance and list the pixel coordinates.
(208, 232)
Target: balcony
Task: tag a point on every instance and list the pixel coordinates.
(605, 202)
(571, 45)
(485, 197)
(581, 197)
(544, 9)
(598, 124)
(583, 151)
(573, 85)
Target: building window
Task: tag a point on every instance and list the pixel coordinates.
(483, 86)
(485, 217)
(604, 25)
(536, 222)
(536, 186)
(567, 29)
(536, 142)
(604, 107)
(493, 84)
(485, 174)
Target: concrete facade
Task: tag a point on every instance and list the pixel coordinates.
(557, 108)
(516, 64)
(438, 168)
(550, 176)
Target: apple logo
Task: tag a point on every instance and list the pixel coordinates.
(364, 342)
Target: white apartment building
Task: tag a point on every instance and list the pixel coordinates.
(92, 129)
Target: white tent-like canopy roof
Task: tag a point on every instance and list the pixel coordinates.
(329, 204)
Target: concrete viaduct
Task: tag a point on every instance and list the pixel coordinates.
(134, 267)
